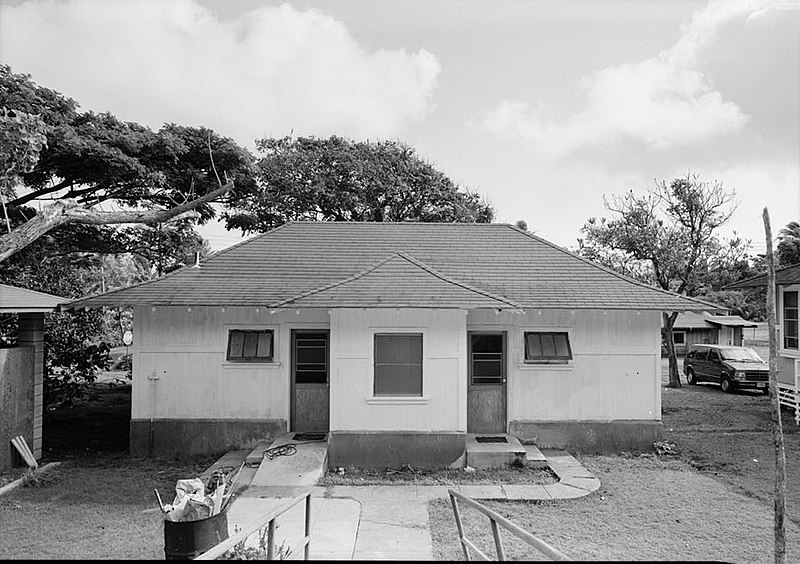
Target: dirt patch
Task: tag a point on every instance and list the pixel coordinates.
(420, 477)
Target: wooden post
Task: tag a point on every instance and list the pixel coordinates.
(777, 426)
(31, 334)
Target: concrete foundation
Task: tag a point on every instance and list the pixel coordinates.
(590, 436)
(386, 449)
(171, 437)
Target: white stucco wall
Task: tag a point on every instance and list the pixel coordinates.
(185, 350)
(615, 373)
(442, 406)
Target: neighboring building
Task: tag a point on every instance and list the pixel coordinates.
(398, 339)
(704, 328)
(22, 370)
(787, 282)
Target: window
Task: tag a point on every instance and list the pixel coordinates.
(398, 364)
(311, 358)
(713, 356)
(790, 335)
(679, 337)
(250, 345)
(547, 347)
(487, 359)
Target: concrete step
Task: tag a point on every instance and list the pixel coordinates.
(534, 457)
(494, 454)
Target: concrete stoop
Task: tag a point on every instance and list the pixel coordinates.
(483, 455)
(298, 470)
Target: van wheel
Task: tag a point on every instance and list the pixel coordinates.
(725, 384)
(690, 377)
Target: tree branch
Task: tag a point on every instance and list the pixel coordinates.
(64, 212)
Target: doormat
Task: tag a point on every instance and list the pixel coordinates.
(309, 437)
(491, 439)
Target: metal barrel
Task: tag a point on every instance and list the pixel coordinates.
(184, 540)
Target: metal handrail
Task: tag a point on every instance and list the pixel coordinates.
(495, 519)
(267, 520)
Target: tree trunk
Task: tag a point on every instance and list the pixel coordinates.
(64, 212)
(669, 342)
(777, 425)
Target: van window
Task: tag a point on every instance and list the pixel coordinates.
(713, 356)
(701, 354)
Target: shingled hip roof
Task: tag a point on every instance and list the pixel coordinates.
(22, 300)
(403, 264)
(786, 275)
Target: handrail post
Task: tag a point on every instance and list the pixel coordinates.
(271, 540)
(460, 528)
(308, 524)
(498, 542)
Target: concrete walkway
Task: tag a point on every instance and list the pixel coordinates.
(380, 522)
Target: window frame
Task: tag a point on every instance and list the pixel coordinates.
(375, 337)
(683, 336)
(471, 358)
(793, 289)
(254, 359)
(550, 359)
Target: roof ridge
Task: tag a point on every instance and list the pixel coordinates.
(408, 258)
(615, 273)
(455, 282)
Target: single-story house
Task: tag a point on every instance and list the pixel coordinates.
(705, 328)
(787, 281)
(398, 339)
(22, 370)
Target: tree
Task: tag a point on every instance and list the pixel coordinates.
(89, 159)
(337, 179)
(667, 238)
(789, 244)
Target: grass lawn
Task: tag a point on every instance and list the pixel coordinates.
(101, 504)
(713, 501)
(405, 476)
(646, 509)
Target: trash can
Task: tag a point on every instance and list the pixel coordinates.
(185, 540)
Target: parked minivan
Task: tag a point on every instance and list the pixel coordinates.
(731, 367)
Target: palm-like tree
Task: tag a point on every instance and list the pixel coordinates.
(789, 244)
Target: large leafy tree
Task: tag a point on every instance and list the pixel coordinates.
(80, 192)
(337, 179)
(98, 170)
(668, 237)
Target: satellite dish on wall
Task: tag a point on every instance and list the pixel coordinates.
(127, 338)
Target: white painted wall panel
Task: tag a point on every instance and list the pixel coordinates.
(615, 372)
(185, 350)
(353, 405)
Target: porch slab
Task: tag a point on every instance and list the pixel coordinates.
(483, 455)
(301, 469)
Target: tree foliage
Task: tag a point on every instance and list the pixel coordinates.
(337, 179)
(668, 237)
(788, 250)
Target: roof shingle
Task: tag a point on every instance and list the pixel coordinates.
(472, 261)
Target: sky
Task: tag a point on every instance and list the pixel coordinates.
(543, 107)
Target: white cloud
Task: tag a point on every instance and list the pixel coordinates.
(269, 71)
(663, 102)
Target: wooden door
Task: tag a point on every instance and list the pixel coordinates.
(310, 391)
(486, 388)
